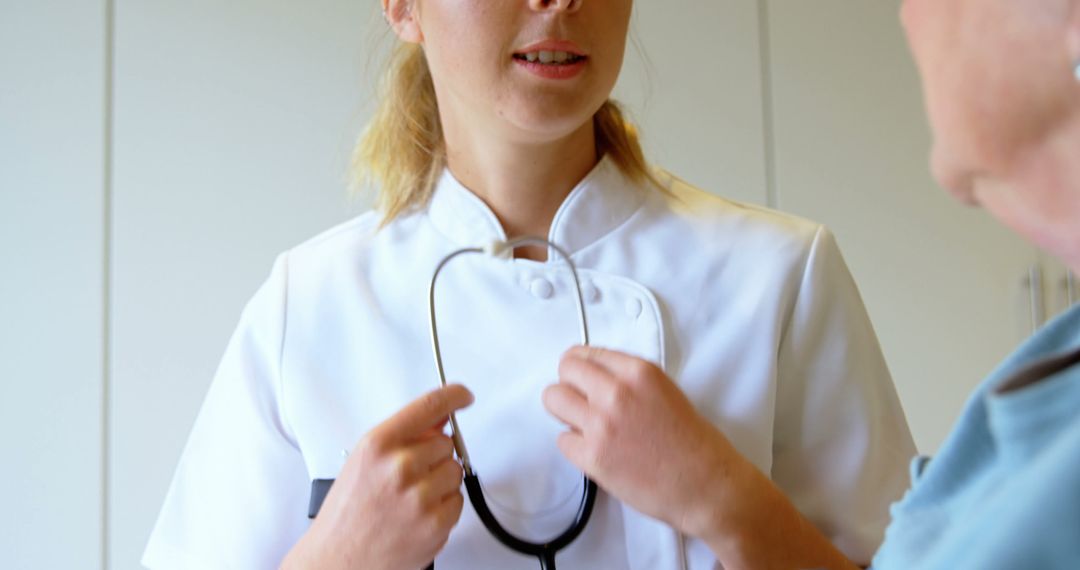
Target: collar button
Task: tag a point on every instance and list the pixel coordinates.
(542, 289)
(590, 293)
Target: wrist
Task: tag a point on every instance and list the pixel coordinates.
(309, 553)
(723, 515)
(752, 524)
(739, 512)
(294, 559)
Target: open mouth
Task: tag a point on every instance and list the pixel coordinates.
(550, 57)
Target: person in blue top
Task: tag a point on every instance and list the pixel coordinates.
(1002, 86)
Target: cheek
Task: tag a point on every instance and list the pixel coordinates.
(611, 38)
(462, 51)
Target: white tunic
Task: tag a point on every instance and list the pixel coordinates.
(752, 312)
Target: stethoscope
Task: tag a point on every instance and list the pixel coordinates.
(545, 551)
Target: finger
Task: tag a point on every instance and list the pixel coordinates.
(444, 518)
(437, 429)
(443, 480)
(426, 411)
(428, 453)
(449, 512)
(573, 447)
(617, 363)
(567, 404)
(590, 379)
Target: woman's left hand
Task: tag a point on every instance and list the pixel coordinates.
(635, 433)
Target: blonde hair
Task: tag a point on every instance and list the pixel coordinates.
(402, 152)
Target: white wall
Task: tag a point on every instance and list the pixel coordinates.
(943, 284)
(695, 88)
(52, 270)
(234, 124)
(154, 214)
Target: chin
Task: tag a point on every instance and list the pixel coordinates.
(953, 177)
(548, 127)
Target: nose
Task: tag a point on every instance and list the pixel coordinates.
(555, 5)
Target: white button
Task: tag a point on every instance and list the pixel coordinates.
(633, 307)
(542, 288)
(590, 293)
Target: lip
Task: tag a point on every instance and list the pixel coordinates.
(545, 71)
(553, 45)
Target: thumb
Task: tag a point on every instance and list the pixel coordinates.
(420, 415)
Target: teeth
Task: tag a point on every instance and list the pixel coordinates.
(550, 57)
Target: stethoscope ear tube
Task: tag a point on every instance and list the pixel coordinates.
(544, 551)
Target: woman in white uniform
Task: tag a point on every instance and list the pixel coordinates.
(495, 122)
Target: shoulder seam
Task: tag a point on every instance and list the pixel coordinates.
(785, 328)
(362, 221)
(286, 425)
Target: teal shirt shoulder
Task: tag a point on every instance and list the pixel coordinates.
(1004, 490)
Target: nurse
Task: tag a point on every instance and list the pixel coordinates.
(495, 122)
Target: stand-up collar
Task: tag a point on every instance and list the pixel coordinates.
(601, 202)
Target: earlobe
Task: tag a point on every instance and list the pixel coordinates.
(401, 17)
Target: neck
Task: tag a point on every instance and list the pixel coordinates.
(523, 183)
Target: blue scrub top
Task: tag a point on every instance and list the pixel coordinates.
(1004, 490)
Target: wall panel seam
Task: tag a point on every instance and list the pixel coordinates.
(107, 276)
(768, 121)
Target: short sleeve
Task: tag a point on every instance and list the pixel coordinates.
(842, 445)
(238, 499)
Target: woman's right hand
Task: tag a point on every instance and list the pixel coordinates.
(397, 497)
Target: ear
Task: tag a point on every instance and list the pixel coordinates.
(402, 17)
